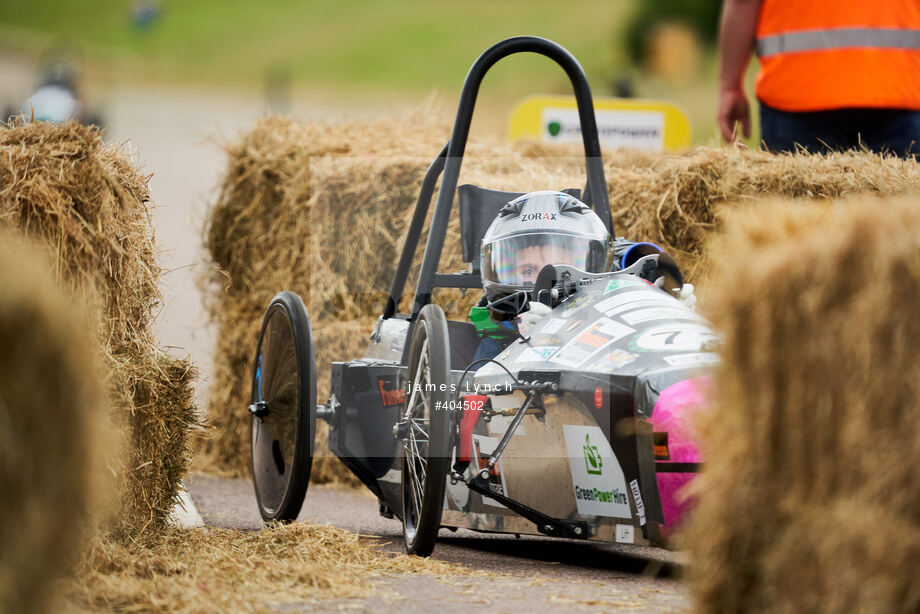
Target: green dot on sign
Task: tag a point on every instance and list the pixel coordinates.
(554, 128)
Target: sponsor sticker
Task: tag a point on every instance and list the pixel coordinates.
(676, 337)
(576, 304)
(623, 298)
(573, 326)
(537, 354)
(616, 284)
(600, 488)
(700, 358)
(552, 326)
(390, 395)
(659, 313)
(593, 339)
(542, 339)
(646, 299)
(616, 359)
(637, 497)
(626, 534)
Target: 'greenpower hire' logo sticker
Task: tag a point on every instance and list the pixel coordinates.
(554, 128)
(594, 465)
(597, 478)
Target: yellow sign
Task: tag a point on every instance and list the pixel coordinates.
(621, 122)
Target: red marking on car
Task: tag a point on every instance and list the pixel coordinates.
(389, 398)
(472, 408)
(598, 397)
(494, 472)
(660, 442)
(591, 339)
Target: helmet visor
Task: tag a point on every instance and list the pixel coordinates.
(518, 259)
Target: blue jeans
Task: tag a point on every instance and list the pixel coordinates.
(879, 130)
(489, 348)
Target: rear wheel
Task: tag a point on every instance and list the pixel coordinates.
(424, 430)
(283, 409)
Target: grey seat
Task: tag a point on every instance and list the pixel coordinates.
(478, 207)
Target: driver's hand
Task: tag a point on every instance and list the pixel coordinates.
(529, 319)
(686, 297)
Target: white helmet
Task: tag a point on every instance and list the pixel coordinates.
(537, 229)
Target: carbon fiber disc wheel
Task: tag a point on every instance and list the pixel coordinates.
(425, 431)
(283, 409)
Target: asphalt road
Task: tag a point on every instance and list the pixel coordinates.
(529, 574)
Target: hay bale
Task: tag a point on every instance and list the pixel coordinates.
(52, 429)
(278, 223)
(86, 204)
(809, 498)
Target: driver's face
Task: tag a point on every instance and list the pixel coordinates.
(532, 259)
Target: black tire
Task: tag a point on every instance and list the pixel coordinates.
(426, 461)
(283, 410)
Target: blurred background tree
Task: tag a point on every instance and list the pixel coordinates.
(669, 37)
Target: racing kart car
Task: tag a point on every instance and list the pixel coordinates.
(575, 430)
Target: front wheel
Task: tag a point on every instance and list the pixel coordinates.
(283, 409)
(424, 427)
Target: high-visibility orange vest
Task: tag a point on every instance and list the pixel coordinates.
(830, 54)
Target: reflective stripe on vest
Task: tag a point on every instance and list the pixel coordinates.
(838, 38)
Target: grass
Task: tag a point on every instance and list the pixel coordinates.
(361, 49)
(398, 44)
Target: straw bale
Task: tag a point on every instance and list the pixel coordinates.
(52, 429)
(222, 570)
(810, 497)
(87, 205)
(322, 210)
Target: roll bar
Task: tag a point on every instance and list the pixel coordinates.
(451, 157)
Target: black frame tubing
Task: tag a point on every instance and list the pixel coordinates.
(451, 158)
(415, 231)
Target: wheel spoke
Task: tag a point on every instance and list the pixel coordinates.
(415, 448)
(410, 467)
(418, 429)
(416, 387)
(417, 486)
(423, 462)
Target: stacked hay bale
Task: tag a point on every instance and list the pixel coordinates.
(811, 500)
(86, 204)
(52, 429)
(322, 209)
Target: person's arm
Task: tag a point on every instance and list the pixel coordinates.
(737, 33)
